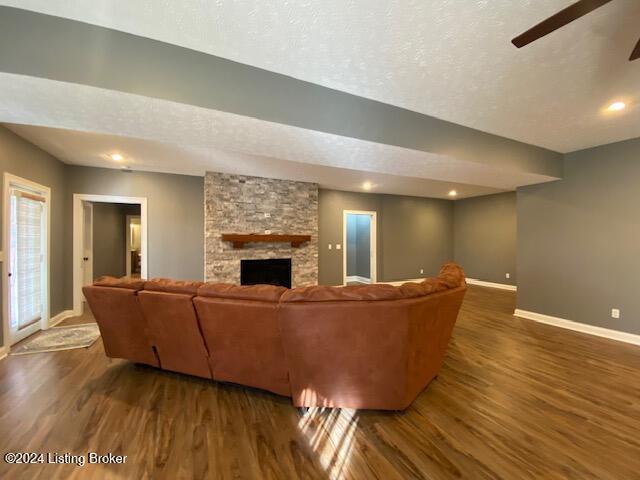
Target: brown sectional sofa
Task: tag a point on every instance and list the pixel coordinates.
(373, 346)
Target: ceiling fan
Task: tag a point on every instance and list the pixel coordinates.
(560, 19)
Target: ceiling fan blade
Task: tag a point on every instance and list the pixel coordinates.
(560, 19)
(636, 52)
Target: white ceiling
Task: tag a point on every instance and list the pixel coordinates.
(451, 59)
(92, 149)
(83, 125)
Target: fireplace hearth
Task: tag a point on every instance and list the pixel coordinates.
(271, 271)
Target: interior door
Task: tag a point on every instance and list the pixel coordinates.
(27, 288)
(87, 243)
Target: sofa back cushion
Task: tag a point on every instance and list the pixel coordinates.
(350, 354)
(123, 282)
(450, 276)
(244, 340)
(259, 293)
(353, 293)
(357, 293)
(122, 325)
(175, 331)
(173, 286)
(373, 346)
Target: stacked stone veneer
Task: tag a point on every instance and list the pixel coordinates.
(243, 204)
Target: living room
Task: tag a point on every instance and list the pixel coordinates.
(319, 241)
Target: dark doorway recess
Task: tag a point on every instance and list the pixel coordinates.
(272, 271)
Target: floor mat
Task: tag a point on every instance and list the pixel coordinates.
(59, 338)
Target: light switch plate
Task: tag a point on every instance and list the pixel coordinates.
(330, 247)
(338, 246)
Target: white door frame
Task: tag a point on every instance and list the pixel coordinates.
(78, 226)
(373, 235)
(9, 181)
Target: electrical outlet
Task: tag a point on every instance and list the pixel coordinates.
(615, 313)
(422, 270)
(330, 246)
(267, 232)
(338, 246)
(507, 275)
(267, 215)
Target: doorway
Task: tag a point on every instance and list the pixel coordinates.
(109, 238)
(132, 246)
(26, 246)
(359, 252)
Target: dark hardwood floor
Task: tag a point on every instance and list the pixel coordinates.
(514, 400)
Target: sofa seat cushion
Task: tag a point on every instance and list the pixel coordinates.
(173, 286)
(260, 293)
(123, 282)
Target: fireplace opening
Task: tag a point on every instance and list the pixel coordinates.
(271, 271)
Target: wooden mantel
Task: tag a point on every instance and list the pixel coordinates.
(239, 239)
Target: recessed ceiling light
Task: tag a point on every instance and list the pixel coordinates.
(616, 106)
(453, 193)
(367, 185)
(116, 157)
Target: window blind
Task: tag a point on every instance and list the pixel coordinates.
(26, 270)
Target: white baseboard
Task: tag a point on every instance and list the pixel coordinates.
(579, 327)
(482, 283)
(471, 281)
(4, 351)
(397, 283)
(357, 278)
(53, 321)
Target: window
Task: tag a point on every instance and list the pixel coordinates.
(26, 266)
(26, 269)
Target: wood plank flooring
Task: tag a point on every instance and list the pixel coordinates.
(515, 400)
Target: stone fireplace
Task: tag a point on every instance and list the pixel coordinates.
(244, 204)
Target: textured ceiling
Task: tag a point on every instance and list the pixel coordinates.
(205, 135)
(92, 149)
(451, 59)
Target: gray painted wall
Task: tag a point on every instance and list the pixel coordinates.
(418, 234)
(29, 40)
(109, 238)
(412, 234)
(21, 158)
(485, 235)
(579, 239)
(175, 209)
